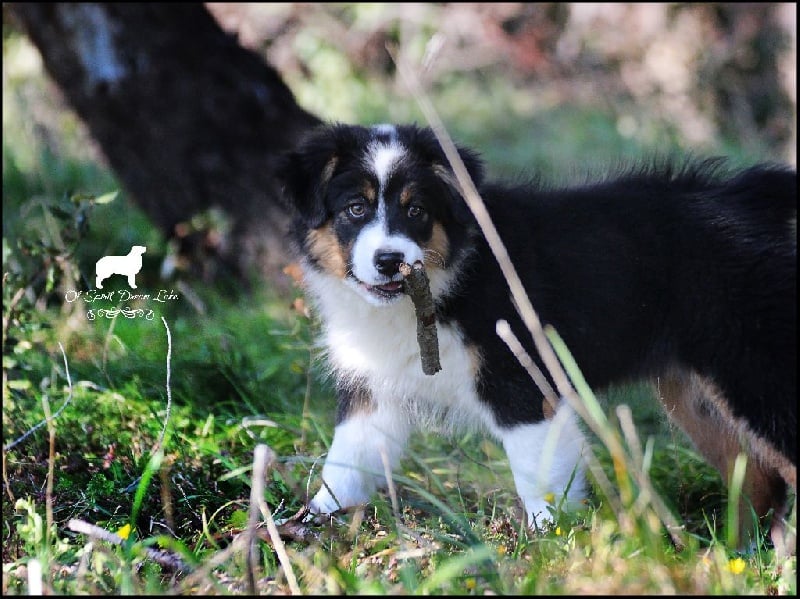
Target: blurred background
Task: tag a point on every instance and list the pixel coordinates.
(548, 85)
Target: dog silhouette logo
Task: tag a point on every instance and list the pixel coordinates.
(129, 266)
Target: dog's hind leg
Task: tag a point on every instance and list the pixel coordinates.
(690, 402)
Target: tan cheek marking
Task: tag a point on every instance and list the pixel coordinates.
(437, 249)
(326, 249)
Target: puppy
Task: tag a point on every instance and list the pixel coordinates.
(680, 274)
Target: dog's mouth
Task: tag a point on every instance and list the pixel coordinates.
(385, 291)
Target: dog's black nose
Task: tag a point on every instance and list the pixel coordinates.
(388, 263)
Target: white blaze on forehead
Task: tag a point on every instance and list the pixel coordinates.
(385, 129)
(382, 154)
(381, 160)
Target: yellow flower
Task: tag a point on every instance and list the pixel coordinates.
(737, 565)
(501, 550)
(125, 531)
(470, 583)
(558, 531)
(550, 497)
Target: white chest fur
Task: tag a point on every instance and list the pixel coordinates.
(378, 344)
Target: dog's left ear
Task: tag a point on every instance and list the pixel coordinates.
(305, 173)
(474, 166)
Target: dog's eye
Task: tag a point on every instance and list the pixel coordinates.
(415, 211)
(357, 210)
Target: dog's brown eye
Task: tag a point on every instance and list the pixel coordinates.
(356, 210)
(415, 211)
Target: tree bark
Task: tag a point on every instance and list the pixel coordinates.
(187, 118)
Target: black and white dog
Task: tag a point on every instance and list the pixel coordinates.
(684, 275)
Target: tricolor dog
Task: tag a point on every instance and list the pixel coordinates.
(680, 274)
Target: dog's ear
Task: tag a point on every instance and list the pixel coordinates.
(444, 171)
(305, 174)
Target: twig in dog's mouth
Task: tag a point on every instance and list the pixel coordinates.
(417, 285)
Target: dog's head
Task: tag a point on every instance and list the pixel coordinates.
(371, 198)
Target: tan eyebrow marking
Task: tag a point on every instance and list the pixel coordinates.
(369, 192)
(406, 194)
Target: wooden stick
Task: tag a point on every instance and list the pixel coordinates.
(263, 458)
(418, 287)
(168, 559)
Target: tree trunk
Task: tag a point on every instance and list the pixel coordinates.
(187, 118)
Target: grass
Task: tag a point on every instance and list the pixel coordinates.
(245, 373)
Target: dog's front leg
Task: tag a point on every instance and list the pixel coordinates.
(546, 461)
(365, 441)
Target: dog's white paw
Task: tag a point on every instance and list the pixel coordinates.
(539, 514)
(342, 488)
(324, 503)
